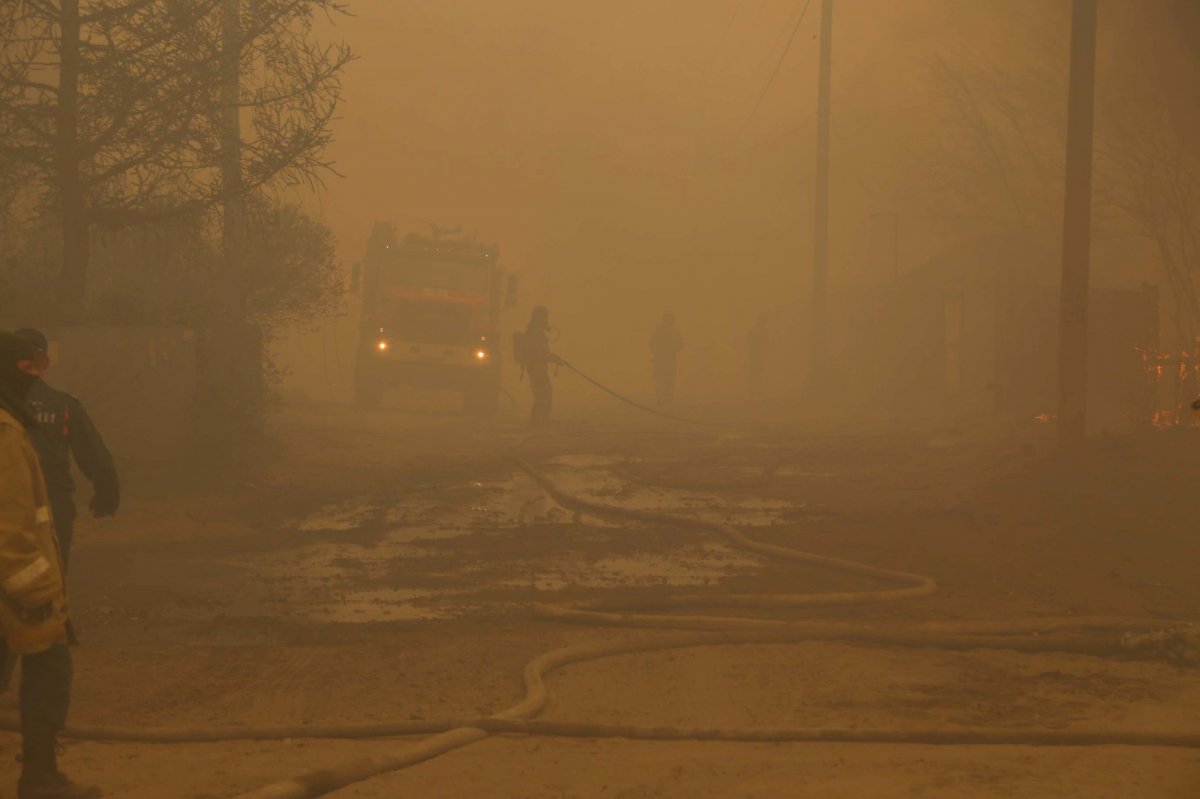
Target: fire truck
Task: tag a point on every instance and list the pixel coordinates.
(431, 308)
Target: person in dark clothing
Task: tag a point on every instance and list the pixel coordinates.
(65, 430)
(665, 346)
(33, 600)
(537, 359)
(756, 355)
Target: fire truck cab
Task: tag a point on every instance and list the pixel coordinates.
(431, 307)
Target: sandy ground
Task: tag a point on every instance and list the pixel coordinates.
(381, 566)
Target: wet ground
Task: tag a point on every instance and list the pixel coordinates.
(382, 566)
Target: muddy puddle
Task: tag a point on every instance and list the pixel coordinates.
(390, 604)
(593, 478)
(689, 566)
(473, 507)
(339, 517)
(348, 576)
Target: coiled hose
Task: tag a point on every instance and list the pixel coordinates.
(1093, 636)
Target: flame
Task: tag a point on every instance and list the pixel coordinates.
(1174, 371)
(1187, 363)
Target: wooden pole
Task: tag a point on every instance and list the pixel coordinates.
(818, 367)
(1077, 224)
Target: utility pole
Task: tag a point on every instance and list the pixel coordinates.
(818, 344)
(1077, 230)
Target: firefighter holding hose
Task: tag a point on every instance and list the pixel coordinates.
(33, 600)
(533, 353)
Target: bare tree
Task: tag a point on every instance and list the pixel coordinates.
(997, 157)
(1151, 163)
(114, 112)
(97, 106)
(272, 100)
(996, 160)
(122, 113)
(288, 84)
(1153, 177)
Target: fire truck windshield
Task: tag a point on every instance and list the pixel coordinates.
(430, 273)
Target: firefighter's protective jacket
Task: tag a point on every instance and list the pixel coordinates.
(33, 603)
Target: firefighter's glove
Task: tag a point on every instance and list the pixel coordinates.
(105, 503)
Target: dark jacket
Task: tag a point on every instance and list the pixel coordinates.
(537, 348)
(65, 429)
(665, 346)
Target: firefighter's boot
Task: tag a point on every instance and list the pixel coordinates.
(41, 779)
(55, 786)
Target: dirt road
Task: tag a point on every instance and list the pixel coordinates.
(382, 567)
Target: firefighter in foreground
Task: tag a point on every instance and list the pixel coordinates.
(534, 355)
(33, 603)
(665, 346)
(65, 429)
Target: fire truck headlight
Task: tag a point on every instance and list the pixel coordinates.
(382, 345)
(481, 356)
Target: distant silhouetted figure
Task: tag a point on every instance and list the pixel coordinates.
(534, 355)
(665, 347)
(756, 355)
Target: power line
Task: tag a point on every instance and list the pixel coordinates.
(730, 27)
(818, 355)
(775, 73)
(762, 7)
(737, 12)
(726, 32)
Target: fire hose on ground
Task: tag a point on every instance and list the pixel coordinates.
(641, 407)
(1091, 636)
